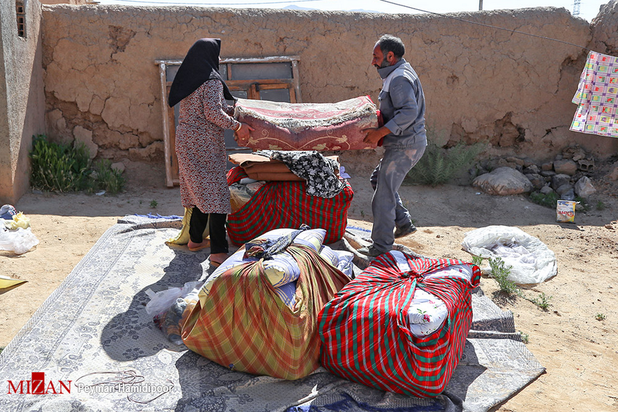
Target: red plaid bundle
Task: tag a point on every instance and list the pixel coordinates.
(285, 204)
(365, 334)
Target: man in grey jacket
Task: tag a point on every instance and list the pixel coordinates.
(402, 105)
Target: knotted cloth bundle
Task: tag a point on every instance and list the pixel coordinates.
(365, 327)
(307, 126)
(243, 324)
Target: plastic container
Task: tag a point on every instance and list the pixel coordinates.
(565, 210)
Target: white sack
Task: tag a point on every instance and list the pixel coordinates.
(530, 259)
(18, 241)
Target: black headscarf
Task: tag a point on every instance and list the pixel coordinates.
(200, 64)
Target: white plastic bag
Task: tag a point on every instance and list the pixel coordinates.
(161, 301)
(18, 241)
(530, 259)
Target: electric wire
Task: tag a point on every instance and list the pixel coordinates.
(176, 3)
(264, 3)
(486, 25)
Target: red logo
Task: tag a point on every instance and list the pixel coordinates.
(37, 386)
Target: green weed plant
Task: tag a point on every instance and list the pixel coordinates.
(439, 166)
(548, 200)
(58, 167)
(542, 301)
(108, 179)
(500, 273)
(525, 338)
(67, 168)
(477, 261)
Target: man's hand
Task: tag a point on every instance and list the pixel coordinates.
(244, 132)
(374, 135)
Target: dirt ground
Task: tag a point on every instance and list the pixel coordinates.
(575, 339)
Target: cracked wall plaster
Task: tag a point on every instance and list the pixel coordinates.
(100, 61)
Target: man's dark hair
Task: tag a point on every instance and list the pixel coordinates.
(393, 44)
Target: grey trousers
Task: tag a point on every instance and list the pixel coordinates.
(388, 210)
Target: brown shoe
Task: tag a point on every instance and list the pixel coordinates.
(370, 251)
(405, 230)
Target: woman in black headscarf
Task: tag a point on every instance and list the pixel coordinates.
(200, 145)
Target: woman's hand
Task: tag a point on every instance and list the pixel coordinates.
(243, 132)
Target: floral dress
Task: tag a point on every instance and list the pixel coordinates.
(200, 148)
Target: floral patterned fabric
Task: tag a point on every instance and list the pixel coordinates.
(317, 170)
(200, 148)
(307, 126)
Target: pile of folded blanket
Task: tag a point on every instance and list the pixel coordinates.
(261, 167)
(318, 197)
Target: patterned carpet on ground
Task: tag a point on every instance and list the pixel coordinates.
(94, 331)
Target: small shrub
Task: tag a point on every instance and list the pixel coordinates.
(542, 301)
(438, 166)
(548, 200)
(108, 179)
(599, 316)
(153, 204)
(524, 337)
(58, 167)
(600, 205)
(68, 168)
(500, 273)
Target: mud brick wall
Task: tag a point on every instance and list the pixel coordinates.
(500, 87)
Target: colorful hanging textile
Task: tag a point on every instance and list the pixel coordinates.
(597, 97)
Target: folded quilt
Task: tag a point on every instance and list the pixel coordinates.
(307, 126)
(273, 166)
(274, 176)
(261, 166)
